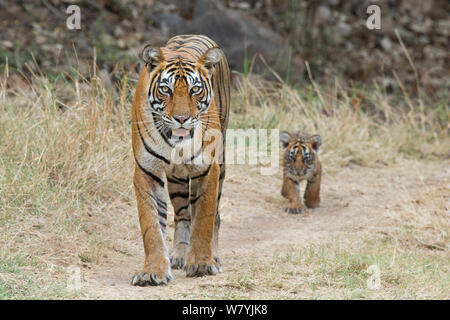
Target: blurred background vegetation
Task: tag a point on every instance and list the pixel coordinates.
(261, 36)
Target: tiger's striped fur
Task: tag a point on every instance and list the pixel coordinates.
(182, 99)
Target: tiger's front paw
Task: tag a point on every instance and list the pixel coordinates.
(153, 276)
(293, 210)
(312, 205)
(143, 279)
(202, 267)
(312, 202)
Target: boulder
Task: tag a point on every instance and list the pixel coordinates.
(242, 37)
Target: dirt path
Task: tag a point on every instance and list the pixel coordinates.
(354, 204)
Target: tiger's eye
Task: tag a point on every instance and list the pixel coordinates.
(195, 89)
(165, 89)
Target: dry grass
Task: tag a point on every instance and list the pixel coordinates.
(363, 127)
(424, 218)
(66, 167)
(62, 163)
(334, 271)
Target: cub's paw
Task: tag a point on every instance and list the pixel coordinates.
(177, 262)
(293, 210)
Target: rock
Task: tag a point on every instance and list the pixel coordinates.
(240, 35)
(121, 44)
(323, 15)
(118, 31)
(386, 44)
(7, 44)
(169, 23)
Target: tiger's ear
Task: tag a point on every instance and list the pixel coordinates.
(210, 58)
(152, 57)
(285, 138)
(316, 142)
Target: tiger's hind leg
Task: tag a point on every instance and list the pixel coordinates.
(179, 196)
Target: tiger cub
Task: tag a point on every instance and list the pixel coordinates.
(301, 162)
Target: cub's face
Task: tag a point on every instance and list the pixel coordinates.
(300, 151)
(180, 90)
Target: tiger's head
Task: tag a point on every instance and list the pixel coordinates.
(180, 90)
(300, 151)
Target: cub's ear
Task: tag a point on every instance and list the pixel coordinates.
(285, 138)
(316, 142)
(152, 56)
(211, 57)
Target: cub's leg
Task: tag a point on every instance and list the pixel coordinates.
(200, 259)
(285, 187)
(152, 209)
(312, 192)
(179, 195)
(290, 190)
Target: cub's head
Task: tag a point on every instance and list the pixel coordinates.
(300, 150)
(180, 89)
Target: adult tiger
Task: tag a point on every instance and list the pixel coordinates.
(180, 110)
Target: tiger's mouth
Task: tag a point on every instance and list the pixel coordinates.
(180, 134)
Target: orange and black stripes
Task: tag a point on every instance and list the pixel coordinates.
(301, 162)
(182, 98)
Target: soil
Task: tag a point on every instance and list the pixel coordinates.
(355, 204)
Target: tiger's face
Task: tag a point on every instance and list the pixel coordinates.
(299, 152)
(180, 90)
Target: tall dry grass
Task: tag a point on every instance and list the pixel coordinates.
(64, 159)
(357, 126)
(65, 154)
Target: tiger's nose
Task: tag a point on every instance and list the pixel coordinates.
(181, 119)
